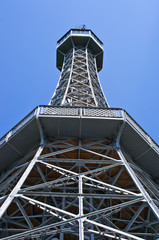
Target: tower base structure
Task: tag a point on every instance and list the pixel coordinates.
(78, 173)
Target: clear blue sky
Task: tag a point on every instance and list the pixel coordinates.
(129, 29)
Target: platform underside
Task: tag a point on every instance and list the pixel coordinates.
(82, 123)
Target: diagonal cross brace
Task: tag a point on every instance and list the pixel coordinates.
(144, 193)
(17, 187)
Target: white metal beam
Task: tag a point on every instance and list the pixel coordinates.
(19, 184)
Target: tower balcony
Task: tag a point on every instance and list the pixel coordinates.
(80, 37)
(81, 123)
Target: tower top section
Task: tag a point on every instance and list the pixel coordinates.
(83, 38)
(79, 58)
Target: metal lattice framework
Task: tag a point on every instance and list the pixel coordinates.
(78, 189)
(79, 84)
(77, 186)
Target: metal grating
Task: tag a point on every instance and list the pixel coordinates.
(60, 111)
(81, 112)
(19, 126)
(102, 112)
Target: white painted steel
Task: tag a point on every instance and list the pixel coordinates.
(79, 84)
(81, 220)
(13, 193)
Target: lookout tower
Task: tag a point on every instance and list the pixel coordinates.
(76, 168)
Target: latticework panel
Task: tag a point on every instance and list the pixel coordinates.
(79, 84)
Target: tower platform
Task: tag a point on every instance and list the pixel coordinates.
(112, 123)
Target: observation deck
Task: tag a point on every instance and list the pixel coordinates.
(82, 123)
(80, 37)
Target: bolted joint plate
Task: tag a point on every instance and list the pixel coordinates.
(79, 37)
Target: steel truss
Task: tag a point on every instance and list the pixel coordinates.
(78, 189)
(79, 84)
(75, 187)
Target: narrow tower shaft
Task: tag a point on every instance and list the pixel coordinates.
(79, 84)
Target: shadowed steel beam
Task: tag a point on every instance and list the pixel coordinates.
(135, 216)
(24, 213)
(109, 186)
(113, 230)
(74, 195)
(101, 155)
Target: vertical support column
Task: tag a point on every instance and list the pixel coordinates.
(100, 86)
(90, 81)
(91, 209)
(81, 227)
(69, 80)
(58, 84)
(63, 206)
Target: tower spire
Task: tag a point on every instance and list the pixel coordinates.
(79, 58)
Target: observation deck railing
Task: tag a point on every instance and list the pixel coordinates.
(76, 32)
(103, 113)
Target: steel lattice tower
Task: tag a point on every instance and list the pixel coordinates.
(76, 168)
